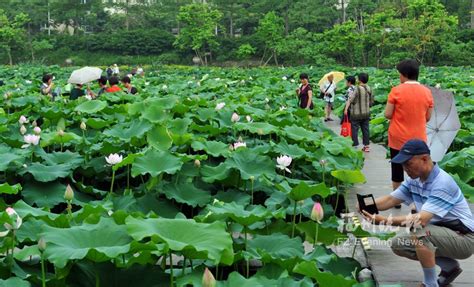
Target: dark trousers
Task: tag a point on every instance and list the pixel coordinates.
(364, 125)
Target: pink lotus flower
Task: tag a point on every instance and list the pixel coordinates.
(30, 140)
(23, 120)
(317, 213)
(219, 106)
(16, 219)
(208, 279)
(239, 144)
(37, 130)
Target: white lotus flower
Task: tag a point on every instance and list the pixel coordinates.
(284, 162)
(23, 120)
(88, 97)
(250, 78)
(219, 106)
(284, 78)
(17, 221)
(114, 158)
(37, 130)
(28, 82)
(438, 86)
(282, 108)
(267, 100)
(249, 119)
(22, 130)
(165, 87)
(190, 82)
(60, 133)
(235, 117)
(239, 144)
(147, 83)
(292, 80)
(30, 140)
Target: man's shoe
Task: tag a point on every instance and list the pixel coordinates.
(398, 206)
(446, 278)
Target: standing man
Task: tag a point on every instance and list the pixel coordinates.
(442, 229)
(409, 108)
(359, 103)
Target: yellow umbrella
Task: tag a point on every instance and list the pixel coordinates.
(338, 76)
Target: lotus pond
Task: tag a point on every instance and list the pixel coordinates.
(204, 168)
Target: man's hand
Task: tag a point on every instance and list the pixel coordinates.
(374, 218)
(298, 91)
(345, 112)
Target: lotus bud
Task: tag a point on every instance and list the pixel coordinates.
(322, 162)
(208, 279)
(197, 163)
(41, 245)
(83, 126)
(34, 124)
(60, 133)
(23, 120)
(22, 130)
(317, 212)
(259, 132)
(69, 194)
(252, 178)
(235, 117)
(37, 130)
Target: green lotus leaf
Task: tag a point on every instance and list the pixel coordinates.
(97, 123)
(249, 164)
(242, 215)
(46, 173)
(126, 132)
(14, 282)
(8, 156)
(324, 279)
(159, 137)
(50, 138)
(194, 240)
(73, 159)
(276, 248)
(156, 162)
(155, 114)
(5, 188)
(257, 128)
(129, 159)
(291, 150)
(90, 107)
(349, 176)
(25, 210)
(299, 134)
(211, 174)
(187, 193)
(98, 242)
(327, 235)
(213, 148)
(303, 191)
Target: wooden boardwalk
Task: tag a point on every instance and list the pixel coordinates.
(388, 268)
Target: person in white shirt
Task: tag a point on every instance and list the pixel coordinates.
(329, 91)
(116, 70)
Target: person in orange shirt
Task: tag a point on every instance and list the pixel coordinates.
(113, 83)
(409, 108)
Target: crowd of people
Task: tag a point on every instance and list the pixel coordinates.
(441, 224)
(106, 84)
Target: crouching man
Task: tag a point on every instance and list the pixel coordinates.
(442, 229)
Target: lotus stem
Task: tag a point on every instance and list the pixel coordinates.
(324, 174)
(217, 271)
(69, 209)
(247, 261)
(171, 270)
(251, 187)
(294, 221)
(184, 266)
(43, 273)
(112, 183)
(316, 235)
(97, 278)
(128, 176)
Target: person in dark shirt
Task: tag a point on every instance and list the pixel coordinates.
(77, 92)
(129, 89)
(305, 93)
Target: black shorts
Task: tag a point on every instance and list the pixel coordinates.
(397, 169)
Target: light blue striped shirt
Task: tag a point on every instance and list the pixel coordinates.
(439, 195)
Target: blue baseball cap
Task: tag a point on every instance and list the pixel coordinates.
(409, 149)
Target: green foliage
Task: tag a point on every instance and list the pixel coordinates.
(245, 51)
(198, 34)
(271, 32)
(12, 32)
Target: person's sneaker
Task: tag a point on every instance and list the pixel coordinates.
(445, 278)
(329, 119)
(398, 206)
(326, 120)
(366, 149)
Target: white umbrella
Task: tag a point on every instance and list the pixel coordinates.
(443, 125)
(85, 75)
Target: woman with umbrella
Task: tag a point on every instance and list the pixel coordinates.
(327, 86)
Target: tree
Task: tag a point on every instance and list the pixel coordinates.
(199, 31)
(12, 32)
(271, 30)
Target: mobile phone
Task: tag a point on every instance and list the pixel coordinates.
(367, 203)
